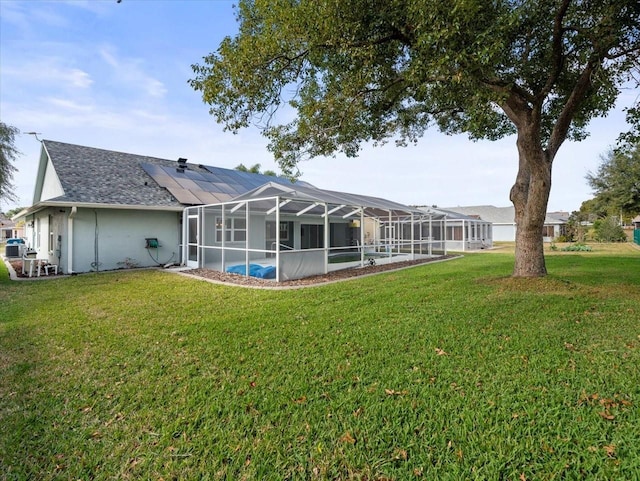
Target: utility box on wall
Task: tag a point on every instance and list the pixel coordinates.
(151, 243)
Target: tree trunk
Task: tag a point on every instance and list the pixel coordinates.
(530, 196)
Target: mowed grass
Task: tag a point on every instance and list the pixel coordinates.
(444, 371)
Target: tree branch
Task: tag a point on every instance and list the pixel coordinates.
(556, 45)
(579, 92)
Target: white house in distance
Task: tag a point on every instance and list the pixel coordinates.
(504, 224)
(464, 232)
(96, 209)
(8, 228)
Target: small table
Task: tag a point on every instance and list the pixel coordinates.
(31, 261)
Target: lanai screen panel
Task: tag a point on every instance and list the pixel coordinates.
(275, 217)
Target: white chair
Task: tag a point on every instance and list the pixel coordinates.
(51, 266)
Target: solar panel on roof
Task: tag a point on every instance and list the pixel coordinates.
(203, 185)
(184, 196)
(207, 197)
(237, 188)
(193, 175)
(220, 187)
(187, 184)
(209, 177)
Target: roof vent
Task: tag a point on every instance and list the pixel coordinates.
(182, 165)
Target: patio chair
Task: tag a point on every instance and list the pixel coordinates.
(53, 267)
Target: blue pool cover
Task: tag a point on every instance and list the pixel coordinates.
(255, 270)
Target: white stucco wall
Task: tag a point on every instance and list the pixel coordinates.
(121, 238)
(504, 233)
(115, 238)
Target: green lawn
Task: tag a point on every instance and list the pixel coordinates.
(443, 371)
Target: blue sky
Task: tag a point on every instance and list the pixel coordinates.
(114, 76)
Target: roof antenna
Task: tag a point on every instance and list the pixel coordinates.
(35, 134)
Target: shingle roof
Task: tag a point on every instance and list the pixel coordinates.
(490, 213)
(90, 175)
(98, 176)
(449, 214)
(502, 215)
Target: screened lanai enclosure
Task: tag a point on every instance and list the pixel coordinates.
(464, 232)
(285, 233)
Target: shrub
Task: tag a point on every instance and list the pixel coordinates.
(577, 247)
(609, 230)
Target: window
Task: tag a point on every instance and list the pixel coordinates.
(311, 236)
(284, 231)
(455, 233)
(548, 231)
(235, 229)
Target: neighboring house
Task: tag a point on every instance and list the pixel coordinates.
(8, 228)
(96, 209)
(464, 232)
(504, 225)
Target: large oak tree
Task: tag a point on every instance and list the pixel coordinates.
(359, 71)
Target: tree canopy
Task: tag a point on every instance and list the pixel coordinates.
(358, 71)
(8, 154)
(616, 183)
(255, 169)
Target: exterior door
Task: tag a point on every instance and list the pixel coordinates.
(193, 234)
(390, 236)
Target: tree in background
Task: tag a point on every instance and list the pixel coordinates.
(10, 213)
(8, 154)
(255, 169)
(360, 71)
(616, 183)
(609, 230)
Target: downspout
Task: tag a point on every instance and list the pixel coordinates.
(72, 214)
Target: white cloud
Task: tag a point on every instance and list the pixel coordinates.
(129, 71)
(78, 78)
(51, 71)
(67, 104)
